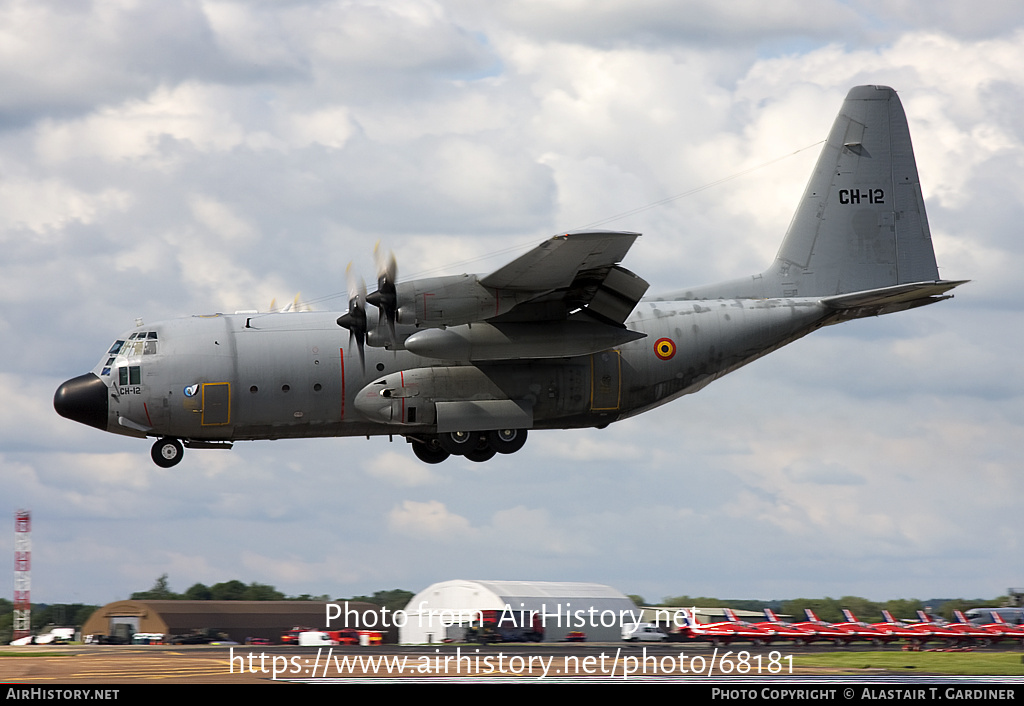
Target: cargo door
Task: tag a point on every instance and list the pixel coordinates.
(216, 403)
(605, 381)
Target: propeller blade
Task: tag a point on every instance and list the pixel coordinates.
(355, 319)
(386, 296)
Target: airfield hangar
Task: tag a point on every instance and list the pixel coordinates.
(446, 610)
(238, 620)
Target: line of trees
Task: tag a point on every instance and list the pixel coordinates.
(235, 590)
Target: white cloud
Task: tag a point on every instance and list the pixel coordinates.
(216, 155)
(430, 519)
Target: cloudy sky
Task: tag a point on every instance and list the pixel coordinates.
(164, 159)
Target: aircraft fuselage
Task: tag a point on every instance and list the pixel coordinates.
(230, 377)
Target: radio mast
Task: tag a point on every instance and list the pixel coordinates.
(22, 573)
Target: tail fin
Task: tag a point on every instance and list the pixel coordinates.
(888, 617)
(960, 617)
(770, 614)
(850, 617)
(924, 617)
(861, 224)
(811, 616)
(730, 615)
(996, 618)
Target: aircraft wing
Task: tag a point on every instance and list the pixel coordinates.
(569, 272)
(557, 262)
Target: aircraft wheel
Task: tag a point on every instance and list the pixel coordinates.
(506, 441)
(458, 443)
(167, 452)
(480, 455)
(429, 451)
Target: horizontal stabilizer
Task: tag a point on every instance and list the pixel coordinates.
(885, 300)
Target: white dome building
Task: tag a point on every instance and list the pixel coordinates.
(521, 610)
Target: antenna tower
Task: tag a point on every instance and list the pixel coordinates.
(22, 573)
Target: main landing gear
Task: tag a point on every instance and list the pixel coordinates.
(167, 452)
(478, 446)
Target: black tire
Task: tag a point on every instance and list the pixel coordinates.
(429, 451)
(506, 441)
(458, 443)
(479, 455)
(167, 452)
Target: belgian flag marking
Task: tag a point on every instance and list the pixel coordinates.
(664, 348)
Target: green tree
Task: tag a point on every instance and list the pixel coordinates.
(198, 592)
(395, 599)
(827, 609)
(904, 608)
(261, 592)
(699, 601)
(161, 591)
(227, 591)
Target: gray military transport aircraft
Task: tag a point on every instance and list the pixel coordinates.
(559, 338)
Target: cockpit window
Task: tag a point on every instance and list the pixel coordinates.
(116, 348)
(129, 375)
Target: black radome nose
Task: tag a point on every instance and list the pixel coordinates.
(83, 399)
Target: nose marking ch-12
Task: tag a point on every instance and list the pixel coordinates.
(562, 337)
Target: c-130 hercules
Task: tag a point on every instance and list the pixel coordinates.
(557, 339)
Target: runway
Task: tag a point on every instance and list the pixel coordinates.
(240, 664)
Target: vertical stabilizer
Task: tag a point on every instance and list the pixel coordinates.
(861, 223)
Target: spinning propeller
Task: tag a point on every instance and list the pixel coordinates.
(386, 296)
(355, 319)
(385, 299)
